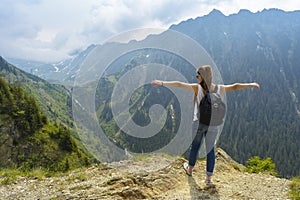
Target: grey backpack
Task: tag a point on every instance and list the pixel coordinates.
(212, 109)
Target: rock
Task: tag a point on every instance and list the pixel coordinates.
(155, 177)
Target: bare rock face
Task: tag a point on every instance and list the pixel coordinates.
(152, 177)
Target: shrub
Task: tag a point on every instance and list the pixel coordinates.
(256, 165)
(295, 188)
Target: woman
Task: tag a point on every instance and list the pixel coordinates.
(204, 76)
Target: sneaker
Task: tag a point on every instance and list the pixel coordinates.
(185, 166)
(209, 184)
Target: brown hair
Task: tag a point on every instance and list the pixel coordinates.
(206, 73)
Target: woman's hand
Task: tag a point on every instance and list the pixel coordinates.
(157, 83)
(256, 85)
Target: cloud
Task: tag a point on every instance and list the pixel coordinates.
(53, 30)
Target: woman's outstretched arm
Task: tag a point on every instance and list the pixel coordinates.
(238, 86)
(177, 84)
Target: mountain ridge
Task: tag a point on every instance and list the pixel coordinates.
(260, 47)
(54, 102)
(28, 140)
(50, 103)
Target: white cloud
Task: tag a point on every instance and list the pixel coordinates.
(52, 30)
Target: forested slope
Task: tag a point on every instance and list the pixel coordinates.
(28, 140)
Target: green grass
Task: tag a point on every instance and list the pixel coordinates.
(295, 189)
(166, 155)
(79, 176)
(140, 157)
(10, 175)
(236, 167)
(8, 180)
(147, 157)
(10, 172)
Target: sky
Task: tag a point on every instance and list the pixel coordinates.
(54, 30)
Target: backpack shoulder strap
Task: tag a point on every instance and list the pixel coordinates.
(217, 89)
(200, 94)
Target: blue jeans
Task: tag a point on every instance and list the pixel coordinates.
(210, 133)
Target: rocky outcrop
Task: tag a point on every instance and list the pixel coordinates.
(150, 177)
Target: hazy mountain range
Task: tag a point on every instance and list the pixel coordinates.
(262, 47)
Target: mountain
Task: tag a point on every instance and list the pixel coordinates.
(150, 177)
(28, 140)
(62, 72)
(264, 123)
(261, 47)
(54, 100)
(246, 47)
